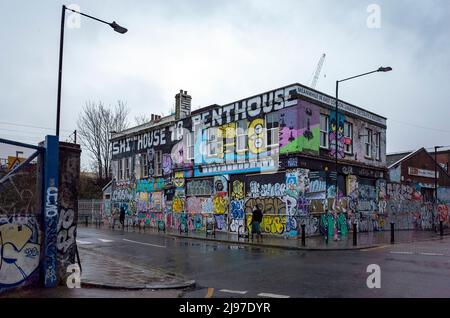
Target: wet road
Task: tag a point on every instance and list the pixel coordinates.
(226, 270)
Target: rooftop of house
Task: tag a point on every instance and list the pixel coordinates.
(160, 121)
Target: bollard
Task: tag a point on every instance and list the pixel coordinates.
(441, 228)
(87, 220)
(392, 233)
(355, 234)
(303, 235)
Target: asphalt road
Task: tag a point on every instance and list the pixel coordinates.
(226, 270)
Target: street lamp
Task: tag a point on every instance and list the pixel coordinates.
(380, 69)
(116, 27)
(435, 181)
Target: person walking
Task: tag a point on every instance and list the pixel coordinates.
(122, 217)
(257, 217)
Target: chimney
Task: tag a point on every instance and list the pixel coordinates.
(152, 117)
(182, 105)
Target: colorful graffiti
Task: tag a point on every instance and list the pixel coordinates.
(336, 134)
(20, 249)
(300, 129)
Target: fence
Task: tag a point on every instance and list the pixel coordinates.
(90, 211)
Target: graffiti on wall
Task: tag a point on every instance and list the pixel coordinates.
(300, 129)
(199, 187)
(20, 245)
(336, 134)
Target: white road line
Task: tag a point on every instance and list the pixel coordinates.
(432, 254)
(154, 245)
(105, 240)
(83, 242)
(272, 295)
(241, 292)
(394, 252)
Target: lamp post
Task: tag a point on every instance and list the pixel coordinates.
(113, 25)
(380, 69)
(435, 183)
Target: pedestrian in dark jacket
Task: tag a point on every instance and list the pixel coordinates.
(257, 217)
(122, 217)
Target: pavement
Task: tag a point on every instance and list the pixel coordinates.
(314, 243)
(127, 263)
(105, 271)
(64, 292)
(418, 268)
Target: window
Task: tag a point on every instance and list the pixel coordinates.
(213, 144)
(272, 129)
(241, 136)
(190, 146)
(324, 131)
(120, 172)
(138, 166)
(127, 168)
(144, 165)
(368, 143)
(377, 146)
(158, 163)
(348, 135)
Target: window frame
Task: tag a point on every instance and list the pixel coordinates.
(144, 165)
(378, 146)
(270, 131)
(325, 132)
(190, 143)
(158, 163)
(240, 132)
(214, 142)
(127, 168)
(368, 142)
(350, 125)
(120, 169)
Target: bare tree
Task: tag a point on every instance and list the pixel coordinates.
(95, 125)
(141, 119)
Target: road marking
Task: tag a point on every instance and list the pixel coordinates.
(105, 241)
(374, 248)
(210, 293)
(272, 295)
(83, 242)
(432, 254)
(394, 252)
(154, 245)
(241, 292)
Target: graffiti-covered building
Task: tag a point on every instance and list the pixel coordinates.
(277, 149)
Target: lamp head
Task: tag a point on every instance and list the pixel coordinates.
(118, 28)
(385, 69)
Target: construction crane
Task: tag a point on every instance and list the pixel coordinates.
(317, 72)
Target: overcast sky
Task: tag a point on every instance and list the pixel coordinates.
(222, 51)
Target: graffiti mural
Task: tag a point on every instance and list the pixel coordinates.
(336, 134)
(20, 244)
(300, 129)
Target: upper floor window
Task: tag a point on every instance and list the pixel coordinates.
(241, 135)
(120, 172)
(158, 163)
(213, 144)
(324, 131)
(190, 145)
(272, 129)
(377, 146)
(348, 135)
(368, 143)
(144, 165)
(127, 167)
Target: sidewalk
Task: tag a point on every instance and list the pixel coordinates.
(64, 292)
(315, 243)
(102, 271)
